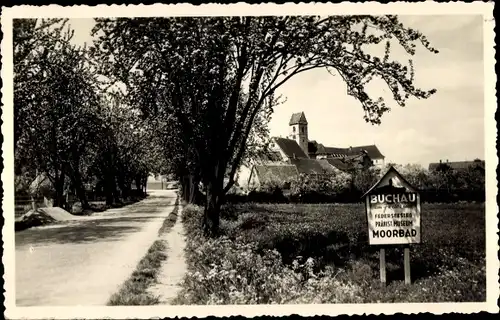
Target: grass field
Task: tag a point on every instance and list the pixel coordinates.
(320, 254)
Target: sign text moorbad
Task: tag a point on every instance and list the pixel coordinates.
(393, 211)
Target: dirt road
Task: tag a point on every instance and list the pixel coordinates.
(84, 262)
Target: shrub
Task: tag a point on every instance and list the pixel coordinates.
(434, 186)
(320, 188)
(274, 196)
(225, 271)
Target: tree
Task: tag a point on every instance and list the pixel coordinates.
(56, 104)
(29, 35)
(127, 151)
(215, 75)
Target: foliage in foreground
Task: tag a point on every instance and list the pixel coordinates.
(222, 271)
(302, 254)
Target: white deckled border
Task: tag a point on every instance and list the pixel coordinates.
(242, 8)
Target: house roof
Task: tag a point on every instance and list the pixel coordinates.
(275, 172)
(338, 163)
(291, 148)
(336, 152)
(268, 155)
(329, 169)
(313, 166)
(372, 151)
(459, 165)
(40, 181)
(298, 118)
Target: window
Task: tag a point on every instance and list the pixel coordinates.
(293, 129)
(302, 129)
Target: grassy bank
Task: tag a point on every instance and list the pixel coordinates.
(279, 253)
(134, 291)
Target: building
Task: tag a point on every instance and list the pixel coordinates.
(312, 149)
(296, 154)
(477, 164)
(272, 174)
(298, 130)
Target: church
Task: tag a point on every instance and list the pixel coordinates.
(296, 154)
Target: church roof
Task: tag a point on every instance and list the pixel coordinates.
(291, 148)
(298, 118)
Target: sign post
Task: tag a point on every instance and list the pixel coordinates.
(382, 266)
(393, 215)
(407, 266)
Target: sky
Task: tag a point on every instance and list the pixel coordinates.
(447, 126)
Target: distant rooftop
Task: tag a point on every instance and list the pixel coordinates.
(372, 151)
(458, 165)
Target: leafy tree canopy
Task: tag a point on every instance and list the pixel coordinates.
(214, 76)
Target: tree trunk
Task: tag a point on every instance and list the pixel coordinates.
(214, 195)
(109, 189)
(185, 188)
(145, 184)
(59, 200)
(126, 187)
(194, 190)
(190, 191)
(80, 191)
(138, 184)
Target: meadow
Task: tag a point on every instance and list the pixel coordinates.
(318, 253)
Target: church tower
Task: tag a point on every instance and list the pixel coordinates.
(298, 130)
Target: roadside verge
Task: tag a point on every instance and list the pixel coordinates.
(135, 290)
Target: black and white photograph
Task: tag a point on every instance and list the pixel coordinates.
(316, 159)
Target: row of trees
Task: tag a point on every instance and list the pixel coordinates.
(192, 96)
(213, 81)
(68, 125)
